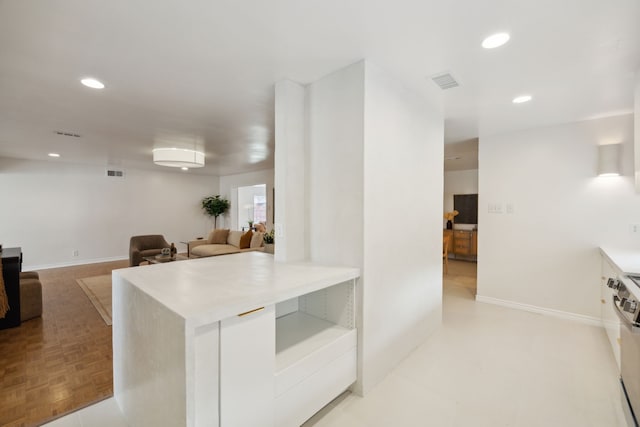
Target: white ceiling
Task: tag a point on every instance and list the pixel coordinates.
(203, 71)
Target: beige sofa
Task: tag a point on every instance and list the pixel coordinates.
(223, 242)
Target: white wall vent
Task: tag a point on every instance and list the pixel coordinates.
(445, 80)
(115, 173)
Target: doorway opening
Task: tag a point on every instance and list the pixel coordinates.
(461, 202)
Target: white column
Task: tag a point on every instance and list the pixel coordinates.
(636, 125)
(290, 172)
(403, 188)
(375, 196)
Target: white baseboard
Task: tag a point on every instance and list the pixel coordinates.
(26, 267)
(588, 320)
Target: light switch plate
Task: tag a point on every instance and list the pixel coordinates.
(495, 208)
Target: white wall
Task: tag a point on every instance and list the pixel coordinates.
(51, 209)
(636, 108)
(403, 182)
(335, 169)
(375, 167)
(458, 182)
(229, 189)
(545, 253)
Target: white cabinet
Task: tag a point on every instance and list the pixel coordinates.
(247, 357)
(316, 343)
(232, 341)
(610, 319)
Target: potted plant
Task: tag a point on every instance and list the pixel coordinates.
(269, 242)
(215, 206)
(449, 217)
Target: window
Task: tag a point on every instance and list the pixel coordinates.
(260, 208)
(252, 205)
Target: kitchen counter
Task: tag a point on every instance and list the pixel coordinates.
(628, 261)
(197, 342)
(206, 290)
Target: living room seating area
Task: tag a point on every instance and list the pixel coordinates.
(225, 241)
(30, 295)
(145, 246)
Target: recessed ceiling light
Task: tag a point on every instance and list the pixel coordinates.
(521, 99)
(495, 40)
(54, 155)
(184, 168)
(92, 83)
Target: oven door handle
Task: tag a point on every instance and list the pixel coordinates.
(635, 327)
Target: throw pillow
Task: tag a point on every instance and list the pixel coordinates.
(219, 236)
(234, 238)
(256, 240)
(245, 240)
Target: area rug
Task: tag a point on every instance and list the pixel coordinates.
(98, 289)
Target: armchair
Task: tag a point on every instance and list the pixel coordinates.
(145, 246)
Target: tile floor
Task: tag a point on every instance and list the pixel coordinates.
(486, 366)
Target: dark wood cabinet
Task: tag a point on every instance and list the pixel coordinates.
(11, 267)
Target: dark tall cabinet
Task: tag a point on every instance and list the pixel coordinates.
(11, 267)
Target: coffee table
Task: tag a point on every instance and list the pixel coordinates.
(159, 259)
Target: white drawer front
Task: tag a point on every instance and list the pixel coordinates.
(306, 398)
(302, 369)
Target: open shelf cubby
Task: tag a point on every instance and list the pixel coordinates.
(316, 342)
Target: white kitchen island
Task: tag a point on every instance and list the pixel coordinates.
(233, 340)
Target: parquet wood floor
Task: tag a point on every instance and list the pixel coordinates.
(59, 362)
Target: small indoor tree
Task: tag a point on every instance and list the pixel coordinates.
(215, 206)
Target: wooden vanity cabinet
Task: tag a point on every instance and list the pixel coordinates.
(464, 243)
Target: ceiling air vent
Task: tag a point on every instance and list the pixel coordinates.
(115, 173)
(445, 80)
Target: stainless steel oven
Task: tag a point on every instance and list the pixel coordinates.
(626, 302)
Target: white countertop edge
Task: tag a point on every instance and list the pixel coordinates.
(626, 261)
(205, 318)
(212, 302)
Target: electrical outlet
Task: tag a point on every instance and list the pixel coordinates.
(76, 252)
(510, 208)
(635, 228)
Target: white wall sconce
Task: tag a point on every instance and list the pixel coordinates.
(609, 160)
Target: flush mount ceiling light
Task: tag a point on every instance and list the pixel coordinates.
(178, 157)
(92, 83)
(184, 168)
(495, 40)
(54, 155)
(522, 98)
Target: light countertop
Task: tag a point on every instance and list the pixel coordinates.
(206, 290)
(628, 261)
